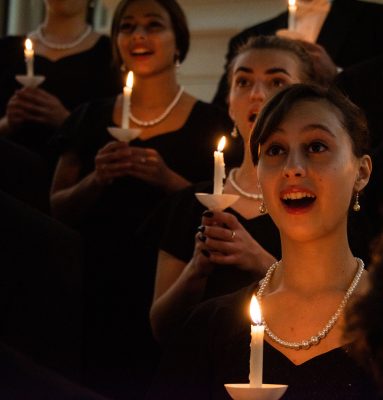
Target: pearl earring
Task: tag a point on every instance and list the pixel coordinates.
(234, 132)
(262, 208)
(356, 206)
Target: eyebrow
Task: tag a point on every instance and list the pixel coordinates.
(148, 15)
(270, 71)
(308, 128)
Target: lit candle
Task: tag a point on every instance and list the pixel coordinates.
(29, 54)
(292, 15)
(219, 167)
(126, 100)
(256, 346)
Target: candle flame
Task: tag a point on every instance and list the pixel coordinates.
(129, 80)
(255, 311)
(221, 144)
(292, 3)
(28, 44)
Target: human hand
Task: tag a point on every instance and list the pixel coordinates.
(35, 105)
(223, 240)
(150, 167)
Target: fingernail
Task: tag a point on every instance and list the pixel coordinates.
(205, 253)
(201, 228)
(202, 238)
(208, 213)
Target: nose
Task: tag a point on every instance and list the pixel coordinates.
(139, 32)
(295, 165)
(258, 92)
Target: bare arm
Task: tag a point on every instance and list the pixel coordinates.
(178, 286)
(70, 197)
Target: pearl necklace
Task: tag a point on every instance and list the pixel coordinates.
(63, 46)
(157, 120)
(306, 344)
(253, 196)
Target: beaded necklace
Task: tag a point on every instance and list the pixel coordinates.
(315, 339)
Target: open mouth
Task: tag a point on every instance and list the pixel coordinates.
(141, 52)
(298, 200)
(252, 117)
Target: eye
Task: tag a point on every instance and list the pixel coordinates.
(274, 150)
(241, 81)
(126, 27)
(154, 25)
(316, 147)
(278, 82)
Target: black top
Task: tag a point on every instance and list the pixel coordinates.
(213, 348)
(121, 265)
(74, 79)
(180, 227)
(188, 151)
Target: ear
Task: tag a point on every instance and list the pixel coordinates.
(364, 173)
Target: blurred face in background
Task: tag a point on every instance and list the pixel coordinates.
(257, 75)
(146, 39)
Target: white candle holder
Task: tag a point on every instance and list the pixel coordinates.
(30, 81)
(217, 202)
(243, 391)
(124, 134)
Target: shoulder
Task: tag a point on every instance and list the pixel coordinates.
(223, 312)
(10, 46)
(214, 113)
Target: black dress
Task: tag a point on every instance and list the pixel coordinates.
(180, 227)
(213, 348)
(120, 265)
(74, 79)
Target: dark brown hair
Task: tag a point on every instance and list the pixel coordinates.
(276, 43)
(364, 323)
(277, 108)
(178, 20)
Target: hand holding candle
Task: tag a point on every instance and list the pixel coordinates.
(219, 167)
(126, 101)
(292, 15)
(256, 346)
(29, 55)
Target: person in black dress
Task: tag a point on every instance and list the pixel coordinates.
(308, 143)
(261, 67)
(106, 188)
(77, 64)
(341, 34)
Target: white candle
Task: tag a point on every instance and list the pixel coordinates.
(126, 100)
(219, 167)
(29, 54)
(292, 15)
(256, 346)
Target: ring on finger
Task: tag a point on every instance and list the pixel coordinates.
(232, 235)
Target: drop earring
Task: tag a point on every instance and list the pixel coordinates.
(122, 68)
(262, 208)
(356, 206)
(234, 132)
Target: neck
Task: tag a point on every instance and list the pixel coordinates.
(64, 29)
(327, 262)
(246, 175)
(166, 87)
